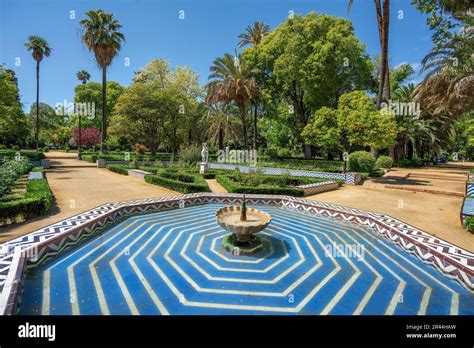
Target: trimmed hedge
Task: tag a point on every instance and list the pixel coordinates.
(38, 200)
(361, 161)
(209, 175)
(198, 185)
(31, 155)
(89, 158)
(234, 187)
(469, 224)
(413, 163)
(118, 169)
(10, 172)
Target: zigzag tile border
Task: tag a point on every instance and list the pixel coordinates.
(318, 187)
(41, 245)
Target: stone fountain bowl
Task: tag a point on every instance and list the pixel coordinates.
(229, 219)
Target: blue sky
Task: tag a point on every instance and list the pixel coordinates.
(153, 29)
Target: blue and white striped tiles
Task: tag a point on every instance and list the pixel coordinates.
(172, 262)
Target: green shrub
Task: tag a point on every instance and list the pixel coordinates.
(384, 162)
(89, 158)
(38, 200)
(180, 186)
(3, 147)
(376, 173)
(190, 154)
(361, 161)
(37, 169)
(406, 163)
(15, 148)
(10, 172)
(30, 155)
(469, 223)
(45, 149)
(209, 175)
(179, 176)
(118, 169)
(235, 187)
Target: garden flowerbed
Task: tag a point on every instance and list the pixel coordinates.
(181, 180)
(26, 202)
(184, 182)
(270, 184)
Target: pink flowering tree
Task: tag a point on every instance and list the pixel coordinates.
(89, 137)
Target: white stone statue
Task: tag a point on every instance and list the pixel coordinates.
(205, 153)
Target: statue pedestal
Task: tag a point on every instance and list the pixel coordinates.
(203, 168)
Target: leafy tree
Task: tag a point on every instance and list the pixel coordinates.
(13, 123)
(49, 123)
(363, 124)
(324, 132)
(39, 49)
(356, 121)
(102, 36)
(91, 94)
(310, 61)
(152, 115)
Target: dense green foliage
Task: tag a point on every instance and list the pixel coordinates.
(308, 62)
(264, 184)
(118, 169)
(355, 122)
(384, 162)
(177, 180)
(13, 123)
(469, 224)
(9, 172)
(361, 161)
(38, 200)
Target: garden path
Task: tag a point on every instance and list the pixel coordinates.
(77, 186)
(215, 186)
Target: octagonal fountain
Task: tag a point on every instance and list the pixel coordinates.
(171, 256)
(243, 223)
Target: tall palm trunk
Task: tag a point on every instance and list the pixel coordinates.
(221, 138)
(255, 127)
(383, 20)
(103, 137)
(243, 118)
(37, 104)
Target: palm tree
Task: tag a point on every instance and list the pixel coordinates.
(83, 76)
(231, 82)
(39, 48)
(447, 88)
(383, 19)
(101, 35)
(221, 123)
(254, 35)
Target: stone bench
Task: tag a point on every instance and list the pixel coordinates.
(318, 187)
(138, 173)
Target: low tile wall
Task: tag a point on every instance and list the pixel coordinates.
(318, 187)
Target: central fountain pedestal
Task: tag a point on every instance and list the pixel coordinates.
(243, 223)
